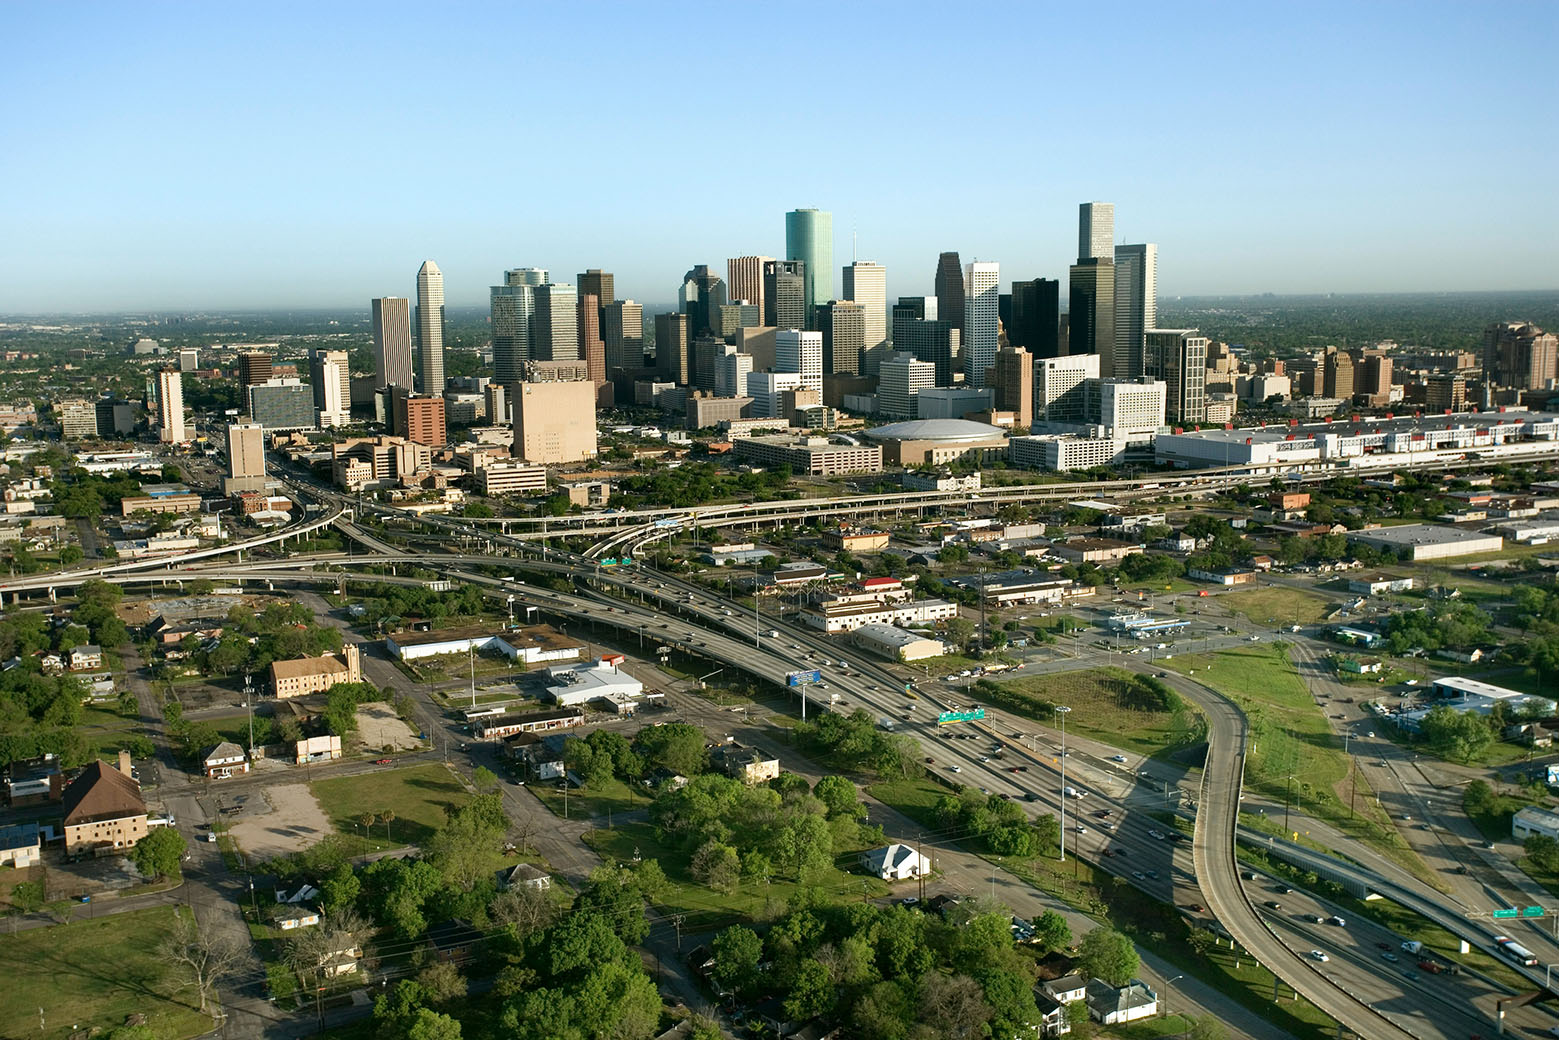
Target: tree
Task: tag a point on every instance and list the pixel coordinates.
(1052, 932)
(484, 780)
(463, 849)
(442, 982)
(804, 844)
(676, 747)
(716, 865)
(954, 1006)
(159, 853)
(1543, 850)
(340, 889)
(1456, 734)
(1106, 954)
(959, 630)
(523, 911)
(811, 993)
(433, 1025)
(839, 795)
(737, 951)
(201, 959)
(883, 1013)
(27, 897)
(387, 817)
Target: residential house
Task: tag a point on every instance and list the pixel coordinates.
(225, 760)
(527, 875)
(1068, 989)
(288, 917)
(20, 845)
(1379, 584)
(895, 862)
(342, 961)
(86, 656)
(453, 940)
(304, 893)
(1053, 1019)
(1111, 1006)
(104, 810)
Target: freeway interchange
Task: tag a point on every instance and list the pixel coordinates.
(1365, 994)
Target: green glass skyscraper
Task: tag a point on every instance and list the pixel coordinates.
(809, 236)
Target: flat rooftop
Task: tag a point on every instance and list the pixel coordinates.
(543, 637)
(1419, 534)
(1368, 424)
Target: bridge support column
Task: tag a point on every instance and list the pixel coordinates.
(53, 598)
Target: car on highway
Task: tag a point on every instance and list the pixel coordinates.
(929, 760)
(985, 758)
(1335, 920)
(1318, 955)
(1081, 829)
(1273, 904)
(1153, 874)
(1102, 813)
(383, 761)
(1195, 908)
(1389, 956)
(1117, 758)
(1156, 834)
(956, 769)
(1139, 875)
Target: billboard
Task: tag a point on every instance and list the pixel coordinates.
(803, 678)
(950, 717)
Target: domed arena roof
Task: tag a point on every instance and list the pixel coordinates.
(952, 431)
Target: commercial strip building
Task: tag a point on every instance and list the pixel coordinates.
(502, 727)
(536, 644)
(1428, 541)
(1534, 820)
(1472, 695)
(835, 616)
(896, 644)
(599, 682)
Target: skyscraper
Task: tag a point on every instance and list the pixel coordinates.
(622, 331)
(255, 367)
(933, 341)
(598, 283)
(1519, 354)
(1036, 317)
(1136, 304)
(809, 237)
(245, 458)
(1012, 378)
(784, 294)
(1178, 359)
(592, 350)
(744, 278)
(949, 288)
(671, 348)
(170, 406)
(282, 404)
(842, 326)
(1092, 311)
(511, 307)
(899, 383)
(982, 287)
(703, 296)
(1058, 387)
(430, 327)
(555, 325)
(330, 378)
(392, 345)
(908, 309)
(867, 284)
(801, 353)
(1096, 231)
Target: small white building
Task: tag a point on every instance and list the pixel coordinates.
(896, 862)
(1068, 989)
(225, 760)
(318, 749)
(1379, 584)
(1534, 820)
(20, 845)
(1111, 1006)
(895, 643)
(572, 685)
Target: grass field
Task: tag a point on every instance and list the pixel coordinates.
(612, 797)
(1098, 711)
(1285, 606)
(1289, 736)
(418, 796)
(106, 730)
(91, 975)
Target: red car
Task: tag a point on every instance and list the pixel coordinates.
(382, 761)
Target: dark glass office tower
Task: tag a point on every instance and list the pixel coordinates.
(1092, 311)
(1036, 317)
(949, 287)
(784, 294)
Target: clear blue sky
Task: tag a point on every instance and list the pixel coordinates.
(183, 155)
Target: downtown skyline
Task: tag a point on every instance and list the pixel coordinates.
(1357, 152)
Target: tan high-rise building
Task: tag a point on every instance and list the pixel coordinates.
(598, 283)
(170, 407)
(1446, 392)
(430, 327)
(418, 417)
(1372, 378)
(1337, 375)
(622, 330)
(744, 279)
(867, 284)
(253, 368)
(672, 346)
(245, 458)
(331, 380)
(592, 349)
(554, 423)
(391, 320)
(1012, 379)
(1519, 354)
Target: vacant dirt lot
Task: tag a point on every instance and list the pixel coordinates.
(295, 821)
(380, 729)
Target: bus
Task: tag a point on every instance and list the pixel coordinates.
(1515, 951)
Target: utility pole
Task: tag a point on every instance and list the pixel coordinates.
(471, 654)
(1061, 710)
(249, 705)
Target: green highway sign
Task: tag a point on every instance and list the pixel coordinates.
(1532, 911)
(1512, 912)
(948, 717)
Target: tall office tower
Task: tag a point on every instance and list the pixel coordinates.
(1519, 354)
(949, 286)
(1036, 317)
(115, 418)
(766, 390)
(170, 406)
(256, 368)
(731, 369)
(899, 383)
(245, 458)
(495, 397)
(554, 423)
(430, 327)
(282, 404)
(802, 353)
(1178, 359)
(592, 349)
(1337, 375)
(1092, 313)
(701, 297)
(785, 294)
(189, 359)
(809, 237)
(671, 348)
(598, 283)
(392, 343)
(622, 330)
(330, 378)
(744, 278)
(1446, 391)
(512, 307)
(867, 284)
(1058, 387)
(1136, 304)
(737, 315)
(982, 286)
(418, 417)
(706, 351)
(554, 332)
(77, 417)
(1372, 378)
(1012, 379)
(934, 342)
(1096, 231)
(842, 326)
(908, 309)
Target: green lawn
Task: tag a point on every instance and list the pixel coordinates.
(418, 796)
(1289, 736)
(91, 974)
(613, 797)
(1286, 606)
(106, 730)
(1095, 697)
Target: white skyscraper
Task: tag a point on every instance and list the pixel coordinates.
(1136, 304)
(765, 389)
(331, 380)
(899, 383)
(801, 353)
(1058, 393)
(982, 304)
(867, 284)
(1096, 230)
(170, 406)
(392, 341)
(430, 328)
(731, 370)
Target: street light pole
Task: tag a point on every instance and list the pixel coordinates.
(1287, 798)
(1061, 711)
(1168, 983)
